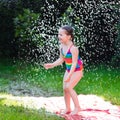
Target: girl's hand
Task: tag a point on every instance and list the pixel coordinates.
(48, 65)
(67, 79)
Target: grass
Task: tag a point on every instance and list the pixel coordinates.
(101, 80)
(10, 110)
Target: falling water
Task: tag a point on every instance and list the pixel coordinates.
(95, 31)
(94, 27)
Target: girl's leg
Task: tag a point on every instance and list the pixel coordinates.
(67, 101)
(69, 87)
(66, 96)
(75, 101)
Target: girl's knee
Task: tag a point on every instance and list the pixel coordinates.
(66, 88)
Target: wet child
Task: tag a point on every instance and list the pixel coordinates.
(69, 54)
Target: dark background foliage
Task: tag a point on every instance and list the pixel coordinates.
(98, 20)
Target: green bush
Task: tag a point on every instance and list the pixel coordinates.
(26, 32)
(116, 58)
(7, 13)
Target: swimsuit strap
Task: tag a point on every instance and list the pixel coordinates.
(70, 47)
(67, 51)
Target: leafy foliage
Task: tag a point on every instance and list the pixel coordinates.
(98, 20)
(94, 23)
(27, 32)
(116, 57)
(7, 47)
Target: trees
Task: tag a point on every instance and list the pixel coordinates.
(98, 19)
(94, 23)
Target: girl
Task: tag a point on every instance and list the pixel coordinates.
(74, 67)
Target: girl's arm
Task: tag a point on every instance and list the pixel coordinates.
(59, 61)
(74, 51)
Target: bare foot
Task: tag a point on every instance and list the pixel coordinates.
(76, 111)
(65, 111)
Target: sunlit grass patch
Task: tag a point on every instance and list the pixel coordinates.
(20, 113)
(6, 99)
(11, 109)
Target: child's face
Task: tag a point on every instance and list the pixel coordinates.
(62, 36)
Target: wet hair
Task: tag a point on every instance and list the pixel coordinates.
(69, 30)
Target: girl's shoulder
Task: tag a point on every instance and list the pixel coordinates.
(74, 48)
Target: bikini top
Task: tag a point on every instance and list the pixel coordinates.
(68, 60)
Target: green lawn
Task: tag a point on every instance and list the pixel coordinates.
(10, 110)
(14, 112)
(101, 80)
